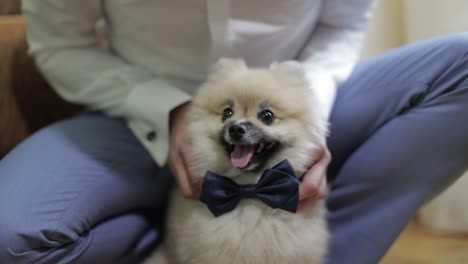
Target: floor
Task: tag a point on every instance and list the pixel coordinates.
(418, 246)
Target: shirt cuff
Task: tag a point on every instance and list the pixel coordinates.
(147, 110)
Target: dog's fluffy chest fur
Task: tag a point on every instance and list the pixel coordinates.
(253, 233)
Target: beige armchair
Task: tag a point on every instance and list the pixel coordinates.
(27, 103)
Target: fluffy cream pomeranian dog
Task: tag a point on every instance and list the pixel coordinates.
(243, 121)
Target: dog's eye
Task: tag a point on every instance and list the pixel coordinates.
(266, 116)
(228, 112)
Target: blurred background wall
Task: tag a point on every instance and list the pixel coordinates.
(386, 29)
(397, 22)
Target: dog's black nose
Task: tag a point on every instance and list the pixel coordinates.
(237, 131)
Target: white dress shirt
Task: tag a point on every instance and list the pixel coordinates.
(159, 51)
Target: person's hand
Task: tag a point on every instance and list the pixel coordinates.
(179, 153)
(314, 181)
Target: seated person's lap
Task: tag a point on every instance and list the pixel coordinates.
(71, 176)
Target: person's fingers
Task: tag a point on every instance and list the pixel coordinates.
(309, 185)
(181, 174)
(195, 183)
(314, 179)
(306, 203)
(318, 155)
(322, 190)
(179, 152)
(311, 201)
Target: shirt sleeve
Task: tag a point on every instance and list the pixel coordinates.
(334, 46)
(62, 39)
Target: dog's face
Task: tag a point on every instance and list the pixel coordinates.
(246, 120)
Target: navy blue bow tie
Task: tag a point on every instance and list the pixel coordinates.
(278, 187)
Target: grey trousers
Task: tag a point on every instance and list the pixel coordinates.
(85, 191)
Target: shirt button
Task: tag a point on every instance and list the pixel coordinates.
(150, 136)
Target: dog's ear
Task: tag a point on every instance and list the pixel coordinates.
(289, 69)
(228, 66)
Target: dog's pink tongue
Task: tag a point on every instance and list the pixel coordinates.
(241, 155)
